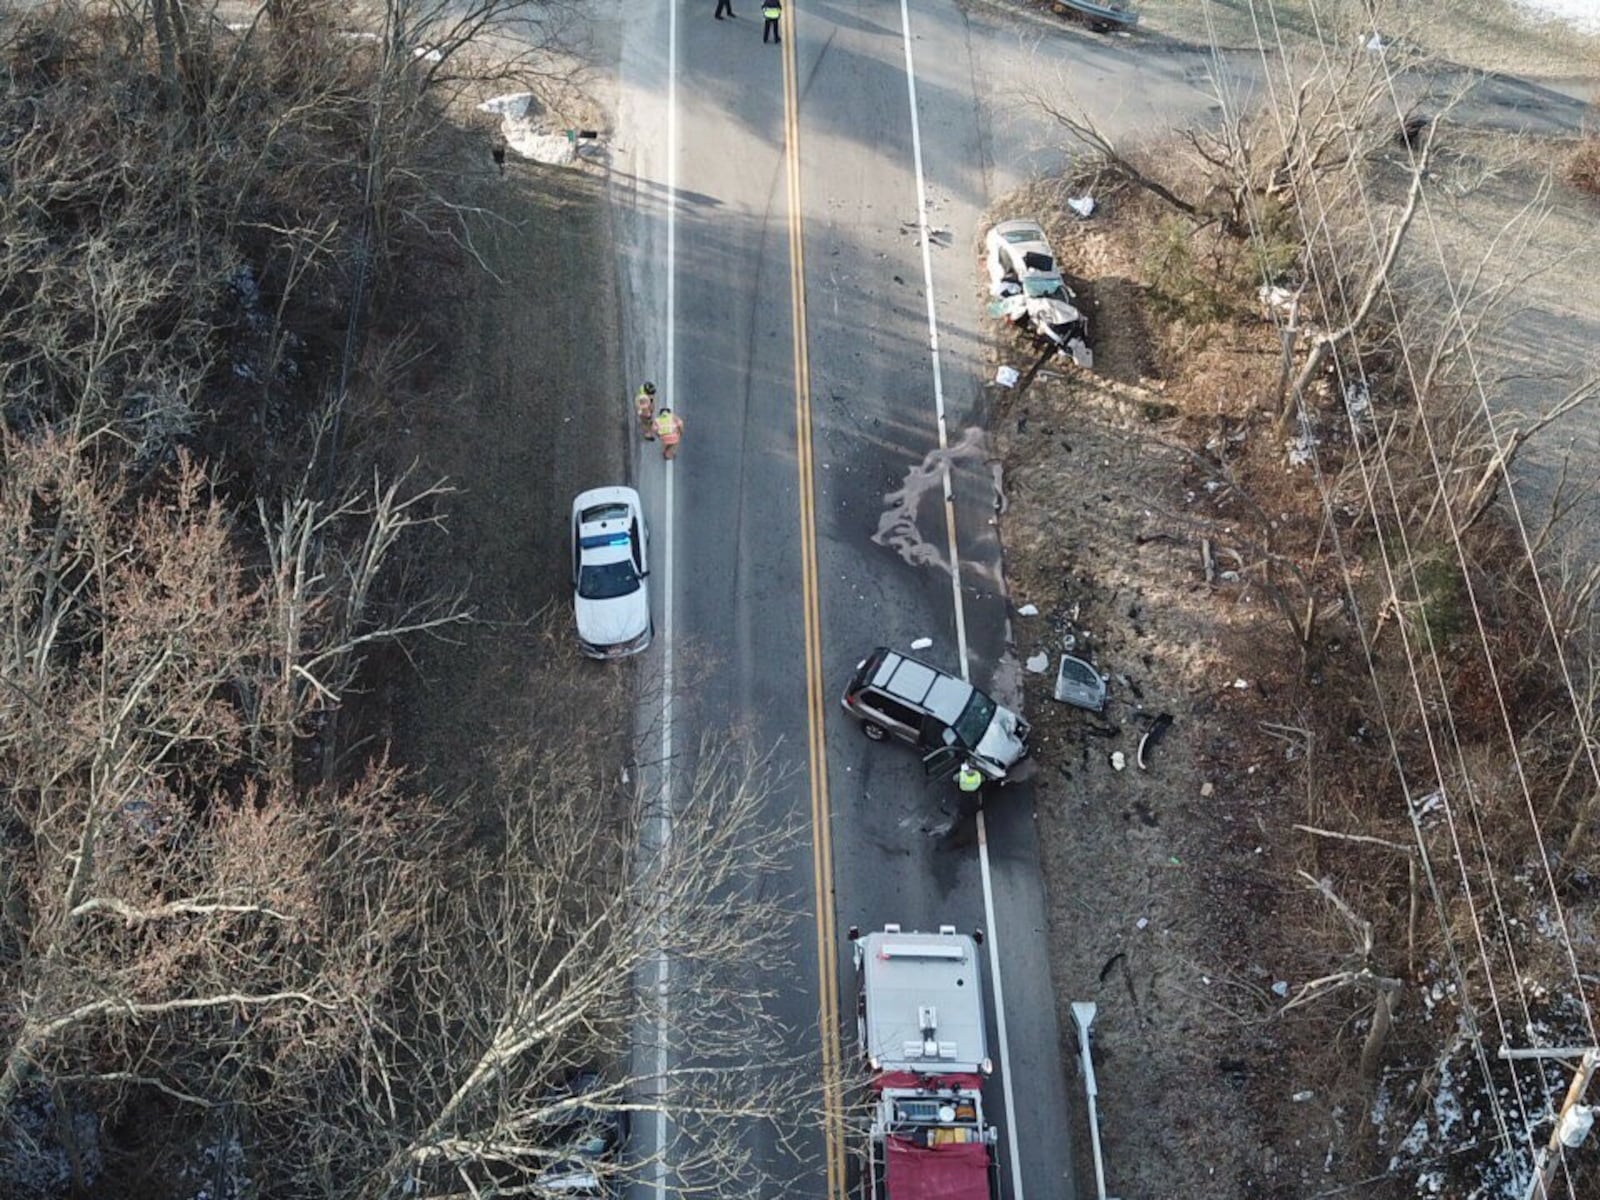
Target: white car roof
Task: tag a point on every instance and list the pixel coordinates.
(1022, 238)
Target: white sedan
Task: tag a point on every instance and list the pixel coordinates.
(1029, 289)
(610, 551)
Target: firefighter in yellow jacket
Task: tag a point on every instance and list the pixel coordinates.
(669, 427)
(644, 403)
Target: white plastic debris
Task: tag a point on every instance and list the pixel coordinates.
(1142, 923)
(1207, 788)
(1081, 354)
(1357, 398)
(922, 643)
(1119, 760)
(1281, 988)
(1039, 663)
(1028, 610)
(1302, 1097)
(1428, 803)
(1241, 684)
(1302, 449)
(1275, 299)
(1082, 205)
(1376, 44)
(1007, 377)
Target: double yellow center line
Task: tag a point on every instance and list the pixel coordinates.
(821, 817)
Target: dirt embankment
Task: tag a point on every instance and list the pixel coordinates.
(1146, 501)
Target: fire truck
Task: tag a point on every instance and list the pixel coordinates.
(919, 1013)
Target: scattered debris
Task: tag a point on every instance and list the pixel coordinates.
(1277, 300)
(1280, 989)
(1082, 205)
(1028, 610)
(1038, 663)
(922, 643)
(1206, 789)
(1119, 760)
(1142, 923)
(1302, 449)
(1241, 684)
(1357, 399)
(1153, 735)
(1007, 377)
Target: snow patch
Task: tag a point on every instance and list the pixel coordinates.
(524, 135)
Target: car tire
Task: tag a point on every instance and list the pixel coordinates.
(874, 731)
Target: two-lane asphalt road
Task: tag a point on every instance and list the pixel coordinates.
(777, 287)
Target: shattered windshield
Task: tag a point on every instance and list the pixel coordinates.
(1048, 288)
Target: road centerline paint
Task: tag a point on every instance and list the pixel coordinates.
(993, 939)
(821, 816)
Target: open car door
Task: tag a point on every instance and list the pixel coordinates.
(943, 762)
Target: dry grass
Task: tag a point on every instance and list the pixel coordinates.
(1459, 676)
(1583, 165)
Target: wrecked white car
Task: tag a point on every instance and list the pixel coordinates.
(1029, 291)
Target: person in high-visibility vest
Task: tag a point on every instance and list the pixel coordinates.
(772, 11)
(969, 778)
(645, 405)
(669, 426)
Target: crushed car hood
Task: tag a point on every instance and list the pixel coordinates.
(1004, 743)
(1049, 313)
(1043, 313)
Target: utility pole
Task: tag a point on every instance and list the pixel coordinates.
(1572, 1122)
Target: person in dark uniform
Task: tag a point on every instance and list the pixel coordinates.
(725, 8)
(771, 10)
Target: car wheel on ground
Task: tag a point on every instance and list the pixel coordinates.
(874, 732)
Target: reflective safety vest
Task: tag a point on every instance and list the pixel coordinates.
(645, 403)
(669, 427)
(969, 779)
(771, 11)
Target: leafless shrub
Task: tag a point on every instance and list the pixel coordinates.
(1583, 164)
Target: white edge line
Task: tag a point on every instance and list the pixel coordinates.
(955, 587)
(999, 1007)
(663, 971)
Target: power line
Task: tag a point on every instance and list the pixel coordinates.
(1440, 908)
(1455, 531)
